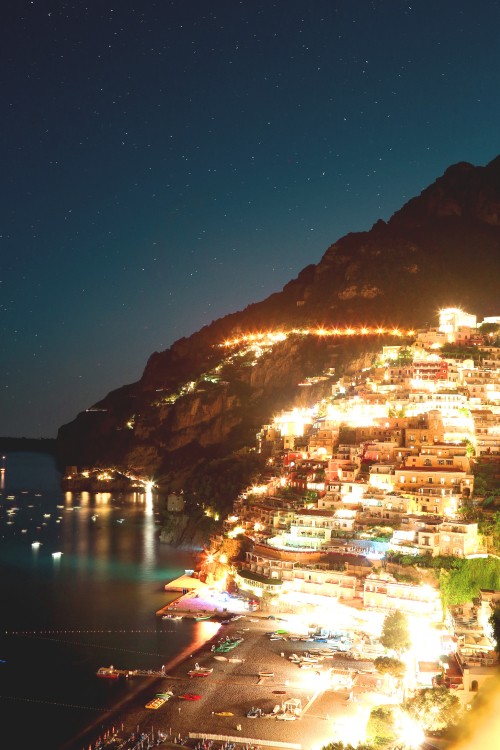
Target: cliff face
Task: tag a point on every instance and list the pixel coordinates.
(194, 399)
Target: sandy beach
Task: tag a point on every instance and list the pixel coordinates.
(234, 687)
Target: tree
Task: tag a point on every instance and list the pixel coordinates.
(435, 708)
(380, 729)
(395, 634)
(464, 583)
(341, 746)
(405, 356)
(389, 665)
(495, 624)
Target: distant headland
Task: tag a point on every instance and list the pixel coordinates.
(36, 445)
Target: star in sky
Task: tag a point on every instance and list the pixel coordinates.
(168, 163)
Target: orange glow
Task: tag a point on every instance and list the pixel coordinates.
(271, 337)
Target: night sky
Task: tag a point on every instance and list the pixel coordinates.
(165, 163)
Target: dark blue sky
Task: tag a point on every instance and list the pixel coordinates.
(165, 163)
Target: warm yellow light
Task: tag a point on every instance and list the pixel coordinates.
(410, 732)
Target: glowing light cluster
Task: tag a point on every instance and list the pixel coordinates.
(268, 338)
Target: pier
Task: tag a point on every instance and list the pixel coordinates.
(112, 673)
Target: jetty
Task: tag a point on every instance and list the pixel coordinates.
(111, 673)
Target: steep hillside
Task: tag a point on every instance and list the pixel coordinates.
(200, 399)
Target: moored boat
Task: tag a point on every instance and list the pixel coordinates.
(200, 671)
(109, 673)
(156, 702)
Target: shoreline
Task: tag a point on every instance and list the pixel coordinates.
(260, 674)
(90, 733)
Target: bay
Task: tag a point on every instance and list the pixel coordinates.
(62, 618)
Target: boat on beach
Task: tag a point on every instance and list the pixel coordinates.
(200, 671)
(109, 673)
(156, 702)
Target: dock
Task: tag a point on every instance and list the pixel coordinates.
(111, 673)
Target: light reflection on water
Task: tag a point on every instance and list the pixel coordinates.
(110, 577)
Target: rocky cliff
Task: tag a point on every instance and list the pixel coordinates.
(199, 399)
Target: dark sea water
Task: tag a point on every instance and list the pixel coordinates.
(61, 619)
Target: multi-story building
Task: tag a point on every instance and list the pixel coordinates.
(452, 320)
(438, 489)
(482, 384)
(384, 592)
(303, 573)
(487, 432)
(459, 539)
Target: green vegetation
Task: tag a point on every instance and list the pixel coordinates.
(405, 356)
(492, 330)
(389, 665)
(463, 584)
(459, 580)
(495, 624)
(217, 483)
(486, 479)
(436, 709)
(380, 728)
(454, 351)
(395, 634)
(343, 746)
(446, 562)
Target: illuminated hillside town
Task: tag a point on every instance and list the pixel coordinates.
(373, 505)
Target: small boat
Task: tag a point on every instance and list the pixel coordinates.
(56, 554)
(220, 658)
(35, 545)
(266, 674)
(108, 673)
(120, 520)
(223, 713)
(190, 697)
(94, 517)
(200, 671)
(156, 702)
(235, 660)
(202, 617)
(254, 713)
